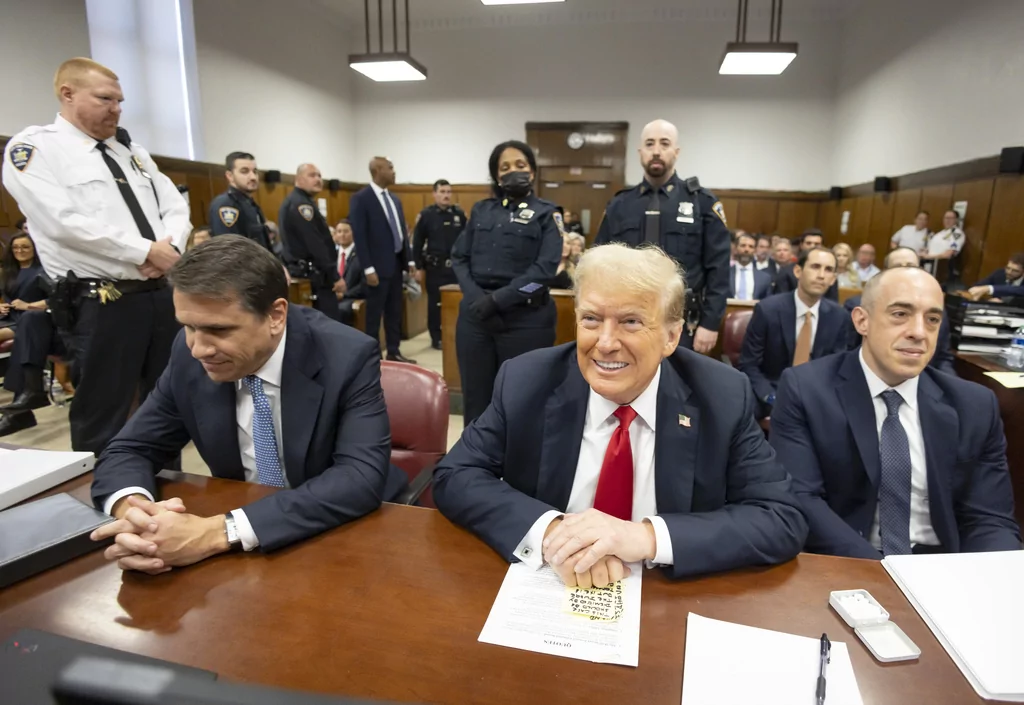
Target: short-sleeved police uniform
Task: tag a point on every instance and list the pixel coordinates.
(436, 231)
(504, 260)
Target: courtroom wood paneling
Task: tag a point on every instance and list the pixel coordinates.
(860, 221)
(978, 195)
(880, 229)
(732, 211)
(200, 195)
(796, 216)
(759, 215)
(829, 215)
(1005, 233)
(906, 208)
(936, 200)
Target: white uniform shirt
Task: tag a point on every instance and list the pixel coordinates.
(948, 239)
(909, 236)
(80, 221)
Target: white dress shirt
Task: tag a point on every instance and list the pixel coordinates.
(386, 200)
(747, 273)
(921, 531)
(598, 428)
(801, 311)
(909, 236)
(80, 221)
(866, 273)
(763, 264)
(270, 373)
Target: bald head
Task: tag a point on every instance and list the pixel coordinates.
(659, 149)
(890, 283)
(902, 257)
(308, 179)
(382, 172)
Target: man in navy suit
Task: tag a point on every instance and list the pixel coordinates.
(943, 358)
(763, 257)
(888, 456)
(620, 447)
(791, 329)
(382, 246)
(786, 279)
(269, 393)
(746, 281)
(1002, 283)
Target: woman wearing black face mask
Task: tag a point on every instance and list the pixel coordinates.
(504, 260)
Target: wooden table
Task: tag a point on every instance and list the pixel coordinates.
(972, 366)
(390, 607)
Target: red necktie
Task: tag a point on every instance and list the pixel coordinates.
(615, 486)
(341, 265)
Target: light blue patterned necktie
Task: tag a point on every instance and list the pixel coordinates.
(894, 494)
(268, 464)
(742, 293)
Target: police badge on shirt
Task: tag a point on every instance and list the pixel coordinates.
(20, 155)
(306, 211)
(228, 215)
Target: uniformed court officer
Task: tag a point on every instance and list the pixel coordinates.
(437, 228)
(235, 211)
(107, 225)
(686, 220)
(504, 260)
(309, 250)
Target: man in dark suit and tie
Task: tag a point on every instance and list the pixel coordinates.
(746, 281)
(789, 329)
(353, 280)
(269, 393)
(888, 456)
(620, 447)
(763, 259)
(382, 246)
(1003, 283)
(786, 279)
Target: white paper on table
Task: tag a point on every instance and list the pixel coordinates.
(730, 663)
(528, 614)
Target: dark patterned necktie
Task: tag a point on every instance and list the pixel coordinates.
(894, 493)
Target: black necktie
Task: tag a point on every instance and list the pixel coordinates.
(652, 222)
(145, 229)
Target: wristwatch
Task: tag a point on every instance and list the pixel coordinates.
(231, 529)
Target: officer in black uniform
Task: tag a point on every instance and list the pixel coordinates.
(685, 220)
(437, 228)
(504, 260)
(235, 211)
(309, 250)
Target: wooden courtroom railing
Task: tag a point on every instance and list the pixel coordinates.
(390, 607)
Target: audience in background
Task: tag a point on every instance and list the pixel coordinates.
(566, 267)
(274, 235)
(786, 279)
(197, 237)
(846, 273)
(889, 457)
(914, 236)
(745, 281)
(997, 283)
(577, 243)
(351, 286)
(782, 254)
(763, 256)
(946, 244)
(19, 283)
(865, 266)
(572, 223)
(789, 329)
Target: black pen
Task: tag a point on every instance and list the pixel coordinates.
(826, 656)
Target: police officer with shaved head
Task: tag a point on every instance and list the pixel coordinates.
(235, 210)
(685, 220)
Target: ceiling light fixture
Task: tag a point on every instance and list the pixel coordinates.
(758, 58)
(387, 66)
(517, 2)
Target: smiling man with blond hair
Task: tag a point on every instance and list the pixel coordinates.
(622, 447)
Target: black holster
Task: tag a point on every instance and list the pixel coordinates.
(61, 297)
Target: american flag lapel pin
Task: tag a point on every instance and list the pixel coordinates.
(684, 420)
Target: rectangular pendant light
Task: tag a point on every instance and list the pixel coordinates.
(388, 67)
(757, 58)
(517, 2)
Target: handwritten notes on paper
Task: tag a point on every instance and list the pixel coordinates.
(604, 603)
(535, 612)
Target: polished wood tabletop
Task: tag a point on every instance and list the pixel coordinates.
(391, 606)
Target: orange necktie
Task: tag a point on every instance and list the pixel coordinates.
(803, 342)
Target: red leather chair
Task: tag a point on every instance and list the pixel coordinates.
(417, 401)
(732, 335)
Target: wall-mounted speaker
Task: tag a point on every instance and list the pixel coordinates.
(182, 188)
(334, 185)
(272, 177)
(883, 184)
(1011, 160)
(835, 193)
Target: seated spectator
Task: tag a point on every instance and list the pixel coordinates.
(577, 244)
(19, 283)
(1008, 280)
(197, 237)
(786, 279)
(943, 358)
(572, 223)
(865, 265)
(547, 473)
(745, 281)
(274, 235)
(782, 254)
(846, 276)
(763, 256)
(789, 329)
(914, 236)
(947, 244)
(889, 457)
(269, 393)
(566, 267)
(351, 287)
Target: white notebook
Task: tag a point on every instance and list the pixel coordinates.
(26, 472)
(974, 605)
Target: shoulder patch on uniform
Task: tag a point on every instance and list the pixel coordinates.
(228, 215)
(719, 210)
(306, 211)
(20, 155)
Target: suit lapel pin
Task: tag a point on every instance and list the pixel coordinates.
(684, 421)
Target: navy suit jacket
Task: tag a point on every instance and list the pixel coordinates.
(996, 278)
(336, 435)
(762, 283)
(943, 358)
(375, 243)
(770, 340)
(823, 428)
(1004, 291)
(726, 501)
